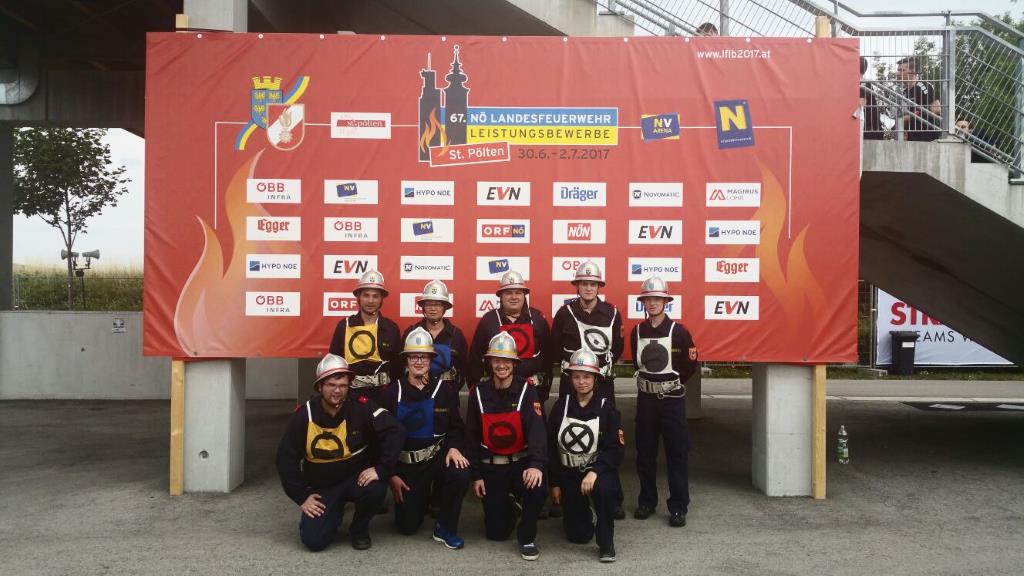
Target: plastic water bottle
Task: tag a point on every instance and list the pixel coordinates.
(844, 448)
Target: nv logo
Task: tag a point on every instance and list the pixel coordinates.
(734, 124)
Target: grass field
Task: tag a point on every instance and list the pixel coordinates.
(106, 288)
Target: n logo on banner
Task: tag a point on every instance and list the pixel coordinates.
(734, 124)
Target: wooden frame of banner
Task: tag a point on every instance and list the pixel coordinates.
(818, 433)
(177, 472)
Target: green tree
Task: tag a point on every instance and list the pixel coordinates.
(65, 176)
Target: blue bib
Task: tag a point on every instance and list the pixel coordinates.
(417, 418)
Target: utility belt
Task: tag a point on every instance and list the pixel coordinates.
(370, 381)
(421, 455)
(662, 389)
(501, 459)
(578, 461)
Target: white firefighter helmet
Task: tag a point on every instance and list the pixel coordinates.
(584, 360)
(419, 341)
(589, 271)
(511, 280)
(502, 345)
(655, 287)
(436, 291)
(371, 279)
(330, 365)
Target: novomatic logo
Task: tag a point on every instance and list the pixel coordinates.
(579, 194)
(503, 231)
(273, 191)
(427, 267)
(731, 308)
(734, 125)
(340, 304)
(348, 266)
(350, 229)
(493, 267)
(659, 126)
(731, 269)
(428, 230)
(502, 193)
(350, 192)
(361, 125)
(273, 265)
(273, 228)
(733, 232)
(271, 303)
(660, 194)
(733, 194)
(563, 268)
(421, 192)
(655, 231)
(578, 231)
(669, 269)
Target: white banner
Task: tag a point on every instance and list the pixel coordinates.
(937, 345)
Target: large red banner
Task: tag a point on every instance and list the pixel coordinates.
(281, 167)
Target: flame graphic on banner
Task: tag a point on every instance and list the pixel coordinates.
(430, 129)
(793, 284)
(210, 314)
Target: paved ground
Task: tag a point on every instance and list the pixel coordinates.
(83, 490)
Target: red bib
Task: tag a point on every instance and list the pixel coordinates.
(502, 432)
(523, 335)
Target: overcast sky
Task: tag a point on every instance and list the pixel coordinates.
(117, 233)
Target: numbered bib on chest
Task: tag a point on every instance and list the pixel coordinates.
(361, 344)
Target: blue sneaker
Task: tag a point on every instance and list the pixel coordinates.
(452, 541)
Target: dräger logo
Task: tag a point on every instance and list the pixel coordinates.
(733, 195)
(655, 231)
(731, 269)
(667, 194)
(427, 267)
(731, 307)
(347, 267)
(273, 228)
(733, 232)
(499, 231)
(436, 193)
(579, 194)
(636, 311)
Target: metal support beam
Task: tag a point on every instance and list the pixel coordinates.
(723, 17)
(6, 216)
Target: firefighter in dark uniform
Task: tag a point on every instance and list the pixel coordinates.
(587, 445)
(665, 358)
(507, 447)
(368, 341)
(449, 342)
(588, 323)
(428, 409)
(526, 325)
(323, 459)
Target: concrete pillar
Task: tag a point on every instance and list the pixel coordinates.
(305, 375)
(782, 429)
(215, 389)
(227, 15)
(6, 215)
(214, 458)
(693, 406)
